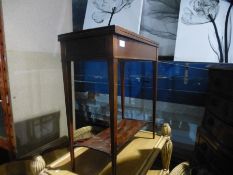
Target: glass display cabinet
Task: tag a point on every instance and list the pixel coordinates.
(7, 140)
(115, 45)
(19, 139)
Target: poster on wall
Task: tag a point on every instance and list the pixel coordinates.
(159, 22)
(205, 31)
(127, 14)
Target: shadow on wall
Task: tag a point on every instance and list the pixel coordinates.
(34, 133)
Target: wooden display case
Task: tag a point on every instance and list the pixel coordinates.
(115, 45)
(214, 136)
(7, 135)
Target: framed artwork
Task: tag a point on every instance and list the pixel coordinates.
(205, 31)
(159, 22)
(127, 14)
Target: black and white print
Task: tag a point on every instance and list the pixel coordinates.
(159, 22)
(127, 13)
(205, 31)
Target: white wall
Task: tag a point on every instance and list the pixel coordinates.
(33, 54)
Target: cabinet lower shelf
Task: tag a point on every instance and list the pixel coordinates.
(126, 129)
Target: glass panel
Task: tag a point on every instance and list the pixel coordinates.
(36, 132)
(181, 91)
(91, 108)
(2, 128)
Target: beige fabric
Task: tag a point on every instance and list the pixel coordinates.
(132, 159)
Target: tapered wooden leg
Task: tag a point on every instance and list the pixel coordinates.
(112, 80)
(154, 92)
(122, 69)
(66, 68)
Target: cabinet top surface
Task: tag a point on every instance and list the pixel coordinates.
(108, 30)
(225, 67)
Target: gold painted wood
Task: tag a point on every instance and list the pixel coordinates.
(166, 152)
(181, 169)
(156, 172)
(133, 159)
(166, 130)
(37, 165)
(57, 172)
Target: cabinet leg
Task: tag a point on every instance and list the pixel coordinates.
(122, 69)
(66, 68)
(154, 92)
(112, 78)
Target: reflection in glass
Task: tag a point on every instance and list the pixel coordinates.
(175, 89)
(33, 133)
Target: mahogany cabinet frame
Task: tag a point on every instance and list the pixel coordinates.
(114, 45)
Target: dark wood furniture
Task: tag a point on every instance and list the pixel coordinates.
(115, 45)
(214, 146)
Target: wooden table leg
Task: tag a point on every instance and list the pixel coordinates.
(112, 80)
(122, 69)
(154, 92)
(66, 67)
